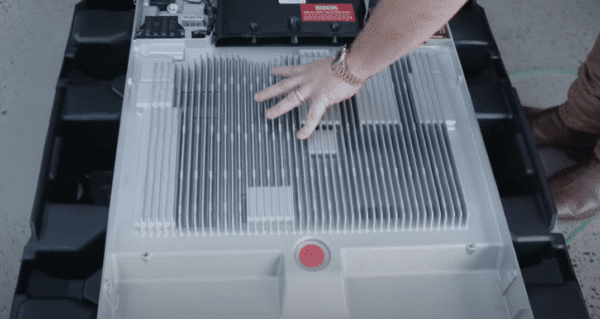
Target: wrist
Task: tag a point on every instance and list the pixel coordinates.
(357, 67)
(341, 69)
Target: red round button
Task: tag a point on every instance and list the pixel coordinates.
(311, 256)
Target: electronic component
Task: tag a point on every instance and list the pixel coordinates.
(261, 22)
(161, 27)
(161, 4)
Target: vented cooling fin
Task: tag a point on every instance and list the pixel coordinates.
(380, 161)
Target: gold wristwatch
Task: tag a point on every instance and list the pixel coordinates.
(340, 68)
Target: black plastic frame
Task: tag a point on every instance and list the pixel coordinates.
(62, 262)
(551, 283)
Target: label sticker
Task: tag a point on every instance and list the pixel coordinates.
(327, 12)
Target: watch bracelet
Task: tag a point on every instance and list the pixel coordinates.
(343, 72)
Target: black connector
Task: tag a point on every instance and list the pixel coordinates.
(161, 27)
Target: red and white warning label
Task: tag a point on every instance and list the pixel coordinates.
(327, 12)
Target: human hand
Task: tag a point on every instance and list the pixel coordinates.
(314, 82)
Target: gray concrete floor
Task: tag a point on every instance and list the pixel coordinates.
(33, 34)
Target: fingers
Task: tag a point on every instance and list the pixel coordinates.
(315, 113)
(277, 89)
(287, 71)
(287, 104)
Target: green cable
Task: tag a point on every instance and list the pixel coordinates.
(577, 230)
(553, 71)
(543, 71)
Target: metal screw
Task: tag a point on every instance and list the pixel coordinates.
(253, 26)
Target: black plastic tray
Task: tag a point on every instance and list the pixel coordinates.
(62, 262)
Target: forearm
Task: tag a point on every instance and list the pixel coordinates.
(395, 28)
